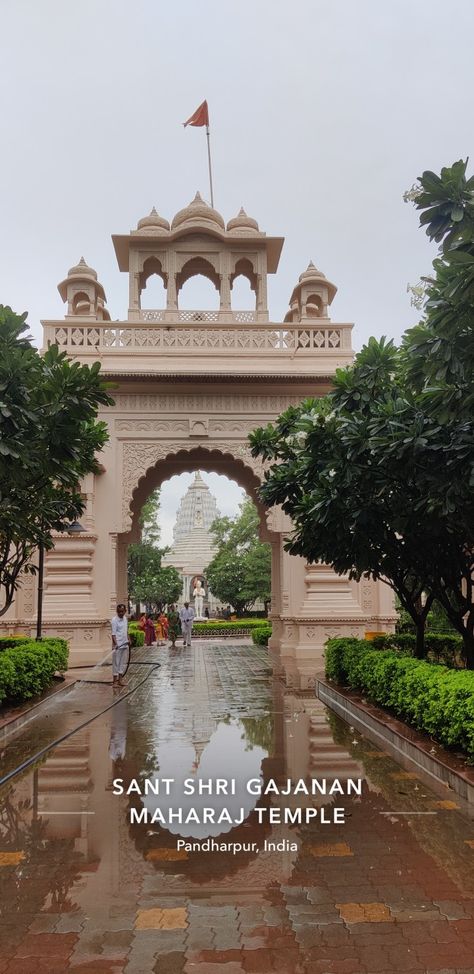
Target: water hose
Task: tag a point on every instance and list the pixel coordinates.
(155, 665)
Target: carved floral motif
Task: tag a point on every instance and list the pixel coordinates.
(152, 425)
(201, 402)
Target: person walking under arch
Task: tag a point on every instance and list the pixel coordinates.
(173, 625)
(187, 618)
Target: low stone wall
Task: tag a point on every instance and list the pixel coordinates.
(406, 745)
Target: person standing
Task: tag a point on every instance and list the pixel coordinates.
(120, 643)
(150, 634)
(163, 623)
(187, 618)
(173, 625)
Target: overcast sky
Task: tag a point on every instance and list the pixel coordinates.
(322, 113)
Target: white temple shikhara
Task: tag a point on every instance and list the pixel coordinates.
(193, 547)
(189, 386)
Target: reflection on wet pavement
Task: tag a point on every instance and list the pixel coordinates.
(83, 889)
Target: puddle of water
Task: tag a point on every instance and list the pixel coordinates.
(68, 845)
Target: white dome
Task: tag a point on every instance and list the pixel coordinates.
(153, 223)
(198, 214)
(242, 223)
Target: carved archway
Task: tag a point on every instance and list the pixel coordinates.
(145, 465)
(244, 268)
(152, 266)
(194, 267)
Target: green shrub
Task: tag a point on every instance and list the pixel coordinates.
(441, 647)
(28, 667)
(261, 635)
(7, 641)
(428, 696)
(241, 627)
(137, 636)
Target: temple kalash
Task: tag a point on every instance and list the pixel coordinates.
(189, 385)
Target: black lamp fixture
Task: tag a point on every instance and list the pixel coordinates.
(75, 528)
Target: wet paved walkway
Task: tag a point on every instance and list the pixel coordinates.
(82, 889)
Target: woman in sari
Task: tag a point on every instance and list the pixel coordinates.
(150, 635)
(173, 625)
(163, 623)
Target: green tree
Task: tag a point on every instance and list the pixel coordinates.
(49, 439)
(145, 555)
(157, 587)
(148, 582)
(346, 509)
(439, 359)
(240, 572)
(378, 475)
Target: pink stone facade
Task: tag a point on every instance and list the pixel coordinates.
(189, 386)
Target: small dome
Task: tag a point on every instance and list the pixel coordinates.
(311, 274)
(154, 223)
(198, 214)
(242, 223)
(82, 270)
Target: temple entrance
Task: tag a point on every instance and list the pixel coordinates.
(189, 385)
(192, 545)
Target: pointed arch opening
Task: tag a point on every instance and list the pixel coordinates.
(198, 285)
(152, 284)
(314, 306)
(243, 283)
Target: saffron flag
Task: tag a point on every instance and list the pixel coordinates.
(200, 117)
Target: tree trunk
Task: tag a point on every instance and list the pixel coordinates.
(468, 649)
(420, 639)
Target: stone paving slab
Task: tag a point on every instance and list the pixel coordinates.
(90, 893)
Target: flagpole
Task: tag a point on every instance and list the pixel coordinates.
(209, 161)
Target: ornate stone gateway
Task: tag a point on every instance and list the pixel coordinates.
(188, 388)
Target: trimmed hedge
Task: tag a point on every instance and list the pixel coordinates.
(441, 647)
(238, 627)
(28, 667)
(261, 635)
(7, 641)
(428, 696)
(137, 636)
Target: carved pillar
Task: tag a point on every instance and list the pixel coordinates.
(134, 283)
(171, 290)
(328, 594)
(26, 597)
(69, 577)
(122, 581)
(275, 604)
(224, 292)
(261, 292)
(113, 572)
(329, 608)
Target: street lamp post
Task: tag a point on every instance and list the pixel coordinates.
(39, 613)
(72, 529)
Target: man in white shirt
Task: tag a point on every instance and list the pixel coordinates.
(120, 644)
(186, 616)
